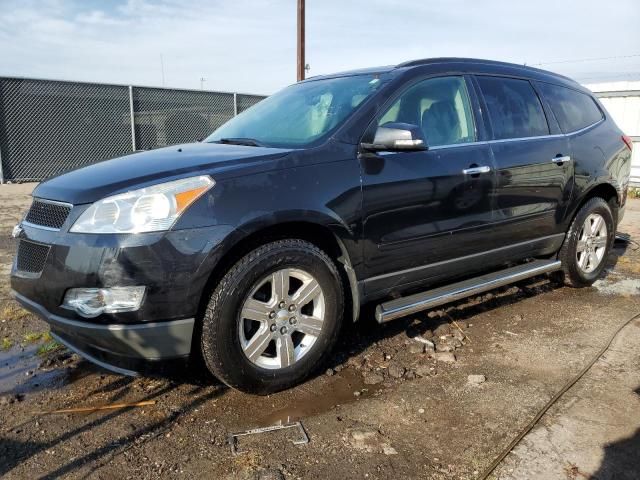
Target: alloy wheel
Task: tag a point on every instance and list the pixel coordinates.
(281, 318)
(592, 243)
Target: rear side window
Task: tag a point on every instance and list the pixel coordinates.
(514, 108)
(573, 110)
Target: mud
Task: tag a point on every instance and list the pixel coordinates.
(419, 419)
(340, 389)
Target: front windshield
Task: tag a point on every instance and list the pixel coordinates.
(300, 114)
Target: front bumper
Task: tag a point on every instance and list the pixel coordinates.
(174, 267)
(118, 347)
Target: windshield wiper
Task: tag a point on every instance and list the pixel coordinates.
(249, 142)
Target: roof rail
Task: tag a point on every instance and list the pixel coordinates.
(479, 61)
(428, 61)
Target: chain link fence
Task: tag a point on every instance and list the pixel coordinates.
(48, 127)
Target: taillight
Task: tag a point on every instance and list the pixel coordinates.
(628, 142)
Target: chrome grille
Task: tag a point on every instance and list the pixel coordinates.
(31, 256)
(48, 214)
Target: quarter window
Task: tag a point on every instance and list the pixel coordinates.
(440, 106)
(514, 108)
(573, 110)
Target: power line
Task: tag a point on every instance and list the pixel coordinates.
(611, 77)
(593, 59)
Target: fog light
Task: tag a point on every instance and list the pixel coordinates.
(91, 302)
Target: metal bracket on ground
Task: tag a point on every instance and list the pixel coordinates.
(304, 437)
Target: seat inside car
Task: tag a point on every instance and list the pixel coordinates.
(440, 123)
(433, 108)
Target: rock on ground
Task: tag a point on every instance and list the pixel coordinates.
(476, 379)
(446, 357)
(373, 378)
(396, 371)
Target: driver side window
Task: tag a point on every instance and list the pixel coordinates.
(440, 106)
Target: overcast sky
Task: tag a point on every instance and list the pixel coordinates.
(249, 45)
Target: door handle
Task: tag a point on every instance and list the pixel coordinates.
(560, 160)
(476, 170)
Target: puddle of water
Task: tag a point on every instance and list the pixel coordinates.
(319, 396)
(16, 366)
(625, 287)
(19, 372)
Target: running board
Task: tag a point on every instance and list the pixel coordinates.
(432, 298)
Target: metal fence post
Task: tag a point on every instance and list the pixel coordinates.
(1, 169)
(235, 104)
(133, 120)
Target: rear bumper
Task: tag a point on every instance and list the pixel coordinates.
(621, 211)
(119, 347)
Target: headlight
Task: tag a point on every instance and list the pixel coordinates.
(151, 209)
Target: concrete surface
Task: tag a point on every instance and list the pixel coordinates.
(592, 432)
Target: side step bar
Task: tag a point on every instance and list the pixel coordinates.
(432, 298)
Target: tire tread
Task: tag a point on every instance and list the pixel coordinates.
(210, 331)
(571, 276)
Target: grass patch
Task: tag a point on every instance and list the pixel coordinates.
(12, 311)
(49, 347)
(634, 192)
(35, 337)
(6, 344)
(32, 337)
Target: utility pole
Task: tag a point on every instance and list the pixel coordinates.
(202, 80)
(301, 62)
(162, 69)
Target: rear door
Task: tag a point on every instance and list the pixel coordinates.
(593, 141)
(425, 211)
(534, 169)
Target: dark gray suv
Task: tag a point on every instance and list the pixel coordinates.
(408, 186)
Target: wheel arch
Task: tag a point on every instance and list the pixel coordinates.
(321, 234)
(607, 192)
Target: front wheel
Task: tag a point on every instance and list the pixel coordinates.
(273, 318)
(588, 242)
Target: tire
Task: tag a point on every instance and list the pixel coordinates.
(579, 267)
(238, 321)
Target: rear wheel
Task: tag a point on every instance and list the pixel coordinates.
(273, 318)
(588, 243)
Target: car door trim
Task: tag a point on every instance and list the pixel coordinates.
(485, 142)
(503, 140)
(458, 259)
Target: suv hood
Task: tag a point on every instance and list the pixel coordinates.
(88, 184)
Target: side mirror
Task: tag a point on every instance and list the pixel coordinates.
(395, 137)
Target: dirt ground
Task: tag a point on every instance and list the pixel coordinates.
(384, 409)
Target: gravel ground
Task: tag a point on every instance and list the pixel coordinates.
(387, 407)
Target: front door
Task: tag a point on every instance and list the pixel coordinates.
(425, 211)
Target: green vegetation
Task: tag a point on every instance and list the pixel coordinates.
(32, 337)
(6, 344)
(634, 192)
(12, 311)
(49, 347)
(35, 337)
